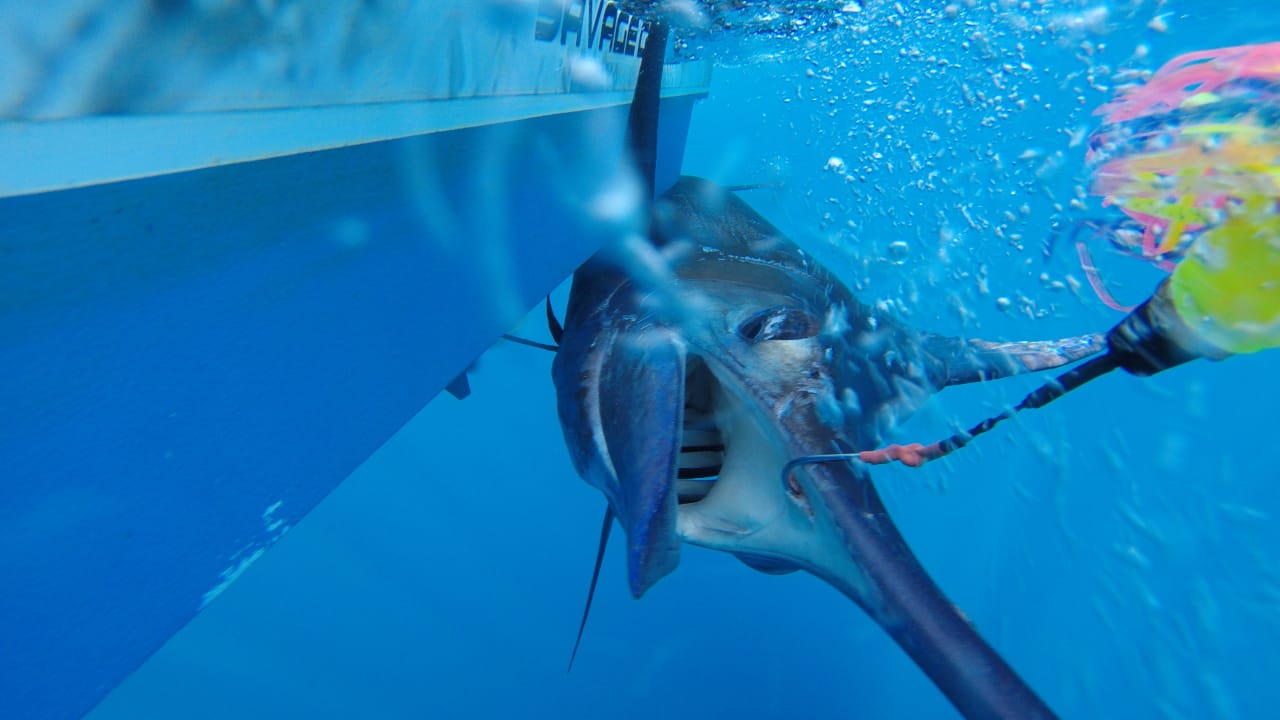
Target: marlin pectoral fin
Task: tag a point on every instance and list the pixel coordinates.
(641, 417)
(529, 343)
(952, 361)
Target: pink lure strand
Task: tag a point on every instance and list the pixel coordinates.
(1095, 280)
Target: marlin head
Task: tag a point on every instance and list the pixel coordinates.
(683, 395)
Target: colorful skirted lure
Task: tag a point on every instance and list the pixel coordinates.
(1196, 143)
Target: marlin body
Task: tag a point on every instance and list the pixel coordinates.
(686, 385)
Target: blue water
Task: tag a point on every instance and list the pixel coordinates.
(1116, 547)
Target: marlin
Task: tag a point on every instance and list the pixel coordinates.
(684, 402)
(700, 386)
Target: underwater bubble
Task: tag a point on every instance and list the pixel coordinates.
(899, 251)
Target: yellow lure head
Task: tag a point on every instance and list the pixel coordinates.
(1227, 288)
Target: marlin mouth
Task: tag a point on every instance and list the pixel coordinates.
(728, 478)
(703, 444)
(702, 447)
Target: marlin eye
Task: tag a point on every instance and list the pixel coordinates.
(779, 323)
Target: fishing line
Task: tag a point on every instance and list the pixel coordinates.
(915, 454)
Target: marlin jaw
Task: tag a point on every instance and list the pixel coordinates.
(746, 509)
(682, 398)
(757, 367)
(744, 506)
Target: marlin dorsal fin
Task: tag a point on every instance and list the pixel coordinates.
(642, 122)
